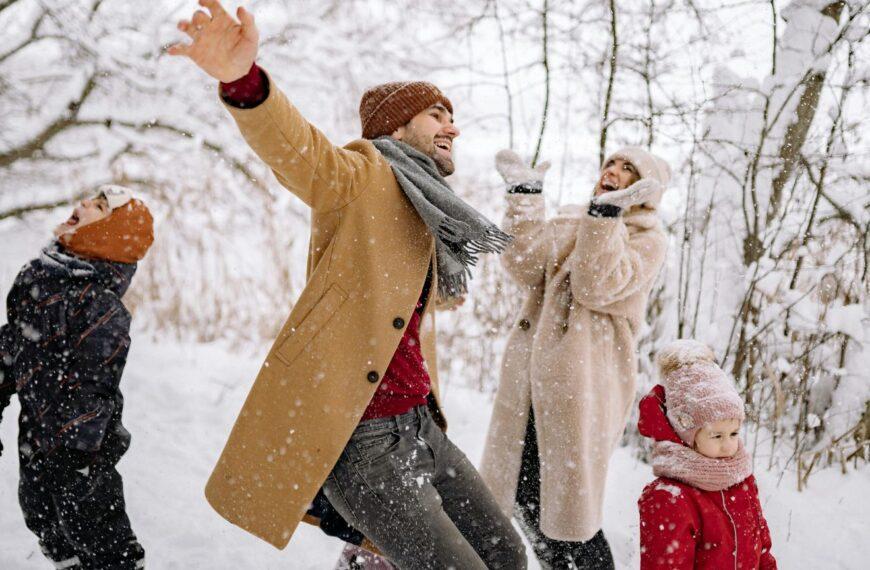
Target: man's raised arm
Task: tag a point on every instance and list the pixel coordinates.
(325, 177)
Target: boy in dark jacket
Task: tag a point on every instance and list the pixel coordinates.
(63, 351)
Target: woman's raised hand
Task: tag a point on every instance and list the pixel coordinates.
(515, 172)
(644, 191)
(222, 46)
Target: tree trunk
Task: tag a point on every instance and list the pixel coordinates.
(796, 132)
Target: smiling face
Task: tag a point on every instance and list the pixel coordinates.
(718, 439)
(432, 133)
(617, 174)
(88, 211)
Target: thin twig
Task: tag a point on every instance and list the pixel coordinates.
(608, 95)
(546, 63)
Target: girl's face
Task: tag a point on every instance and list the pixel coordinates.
(617, 174)
(88, 211)
(718, 439)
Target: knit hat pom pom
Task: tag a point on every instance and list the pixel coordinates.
(681, 353)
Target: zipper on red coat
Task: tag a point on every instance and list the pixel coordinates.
(733, 526)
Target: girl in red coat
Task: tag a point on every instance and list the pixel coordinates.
(703, 510)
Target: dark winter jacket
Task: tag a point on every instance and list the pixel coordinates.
(684, 528)
(63, 351)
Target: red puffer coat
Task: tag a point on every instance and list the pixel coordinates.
(683, 527)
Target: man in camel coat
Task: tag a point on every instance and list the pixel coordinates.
(347, 399)
(568, 375)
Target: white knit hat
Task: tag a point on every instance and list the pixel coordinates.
(115, 195)
(648, 164)
(697, 391)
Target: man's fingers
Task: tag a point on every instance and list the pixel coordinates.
(179, 49)
(247, 21)
(200, 19)
(187, 28)
(217, 11)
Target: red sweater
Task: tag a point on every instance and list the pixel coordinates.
(406, 382)
(685, 528)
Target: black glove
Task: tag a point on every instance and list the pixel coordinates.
(331, 522)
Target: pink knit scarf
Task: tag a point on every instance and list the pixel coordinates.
(676, 461)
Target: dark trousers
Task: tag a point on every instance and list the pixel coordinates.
(593, 554)
(416, 496)
(81, 523)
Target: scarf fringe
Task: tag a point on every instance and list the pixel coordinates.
(454, 285)
(455, 232)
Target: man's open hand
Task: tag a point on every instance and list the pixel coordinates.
(222, 46)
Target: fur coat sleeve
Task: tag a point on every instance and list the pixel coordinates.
(525, 259)
(615, 259)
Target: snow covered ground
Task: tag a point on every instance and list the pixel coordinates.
(182, 399)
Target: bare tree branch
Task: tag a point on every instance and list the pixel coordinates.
(6, 3)
(796, 132)
(506, 76)
(614, 46)
(31, 38)
(37, 143)
(20, 212)
(545, 61)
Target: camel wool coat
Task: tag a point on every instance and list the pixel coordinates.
(571, 355)
(368, 260)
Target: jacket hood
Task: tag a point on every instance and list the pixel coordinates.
(653, 421)
(60, 262)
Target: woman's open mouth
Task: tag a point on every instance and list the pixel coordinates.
(73, 220)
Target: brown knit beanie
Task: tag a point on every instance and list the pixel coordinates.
(384, 108)
(124, 236)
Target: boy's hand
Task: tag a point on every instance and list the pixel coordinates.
(222, 47)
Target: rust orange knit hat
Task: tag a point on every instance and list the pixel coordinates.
(384, 108)
(124, 236)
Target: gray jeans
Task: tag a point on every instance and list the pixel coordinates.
(416, 496)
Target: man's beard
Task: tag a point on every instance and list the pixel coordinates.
(443, 163)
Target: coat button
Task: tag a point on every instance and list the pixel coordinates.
(372, 377)
(398, 323)
(525, 324)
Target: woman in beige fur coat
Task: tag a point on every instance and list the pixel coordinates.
(568, 375)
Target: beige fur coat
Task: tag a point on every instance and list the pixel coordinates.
(571, 355)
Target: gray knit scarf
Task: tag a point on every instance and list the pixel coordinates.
(461, 232)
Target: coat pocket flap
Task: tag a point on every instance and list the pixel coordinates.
(311, 325)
